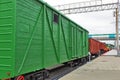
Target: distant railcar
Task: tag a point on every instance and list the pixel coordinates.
(103, 48)
(96, 47)
(110, 46)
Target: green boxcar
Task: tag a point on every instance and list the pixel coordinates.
(34, 36)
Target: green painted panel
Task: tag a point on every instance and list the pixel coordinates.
(81, 40)
(70, 41)
(63, 44)
(50, 40)
(32, 40)
(28, 36)
(65, 56)
(7, 24)
(78, 44)
(87, 44)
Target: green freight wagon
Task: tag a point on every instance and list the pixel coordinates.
(35, 36)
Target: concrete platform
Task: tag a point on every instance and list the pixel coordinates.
(105, 67)
(112, 52)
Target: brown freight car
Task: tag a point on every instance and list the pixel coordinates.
(96, 47)
(103, 48)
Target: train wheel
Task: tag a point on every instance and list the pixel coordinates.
(83, 60)
(79, 62)
(20, 78)
(46, 73)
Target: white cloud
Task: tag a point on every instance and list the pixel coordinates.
(94, 22)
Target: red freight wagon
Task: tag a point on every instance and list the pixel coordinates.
(94, 47)
(103, 47)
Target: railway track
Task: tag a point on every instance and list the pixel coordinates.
(61, 71)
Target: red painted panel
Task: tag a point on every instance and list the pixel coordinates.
(94, 46)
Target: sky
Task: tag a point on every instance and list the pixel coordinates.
(101, 22)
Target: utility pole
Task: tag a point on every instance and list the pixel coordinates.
(117, 32)
(117, 29)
